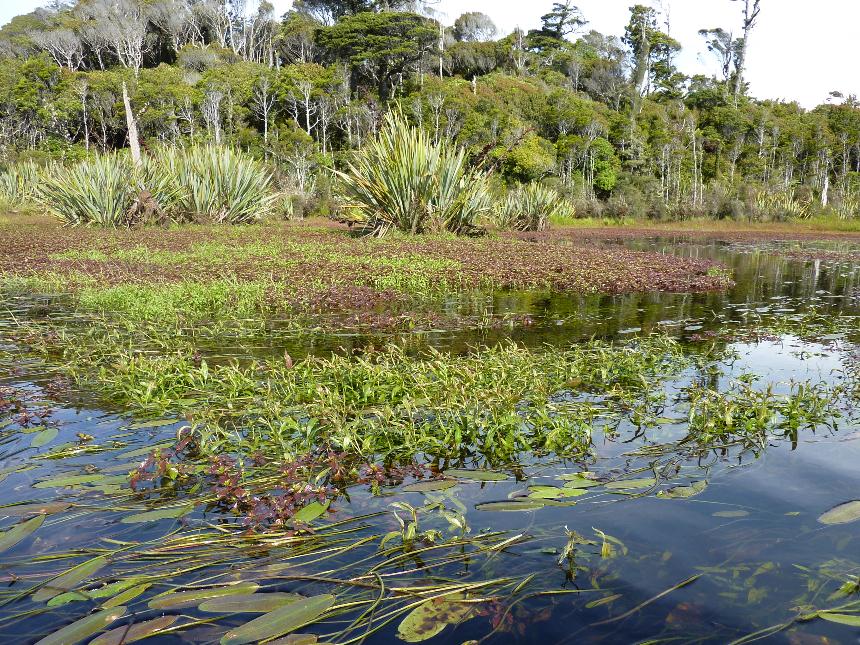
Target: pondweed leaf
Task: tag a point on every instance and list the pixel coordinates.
(280, 621)
(511, 506)
(154, 516)
(554, 492)
(430, 618)
(477, 475)
(842, 514)
(10, 538)
(309, 513)
(69, 580)
(258, 603)
(603, 601)
(137, 632)
(108, 591)
(193, 597)
(731, 514)
(125, 596)
(683, 492)
(852, 620)
(631, 484)
(578, 481)
(83, 628)
(44, 437)
(22, 510)
(430, 485)
(71, 480)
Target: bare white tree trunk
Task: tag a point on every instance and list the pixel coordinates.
(133, 139)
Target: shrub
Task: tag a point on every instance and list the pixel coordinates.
(532, 207)
(220, 185)
(403, 180)
(96, 191)
(19, 183)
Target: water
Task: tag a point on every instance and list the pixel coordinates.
(750, 545)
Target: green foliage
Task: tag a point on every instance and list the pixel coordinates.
(403, 180)
(530, 159)
(19, 183)
(532, 207)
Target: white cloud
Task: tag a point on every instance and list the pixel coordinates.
(798, 52)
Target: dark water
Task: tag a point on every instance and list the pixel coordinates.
(752, 536)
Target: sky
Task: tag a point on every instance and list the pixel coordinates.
(799, 51)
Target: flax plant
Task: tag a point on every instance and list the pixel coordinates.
(404, 181)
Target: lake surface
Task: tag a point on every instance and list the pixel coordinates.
(744, 554)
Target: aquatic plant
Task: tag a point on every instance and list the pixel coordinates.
(403, 180)
(532, 207)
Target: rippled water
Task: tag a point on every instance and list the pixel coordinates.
(752, 535)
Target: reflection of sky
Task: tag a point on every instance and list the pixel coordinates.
(786, 360)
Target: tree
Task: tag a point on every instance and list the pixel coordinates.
(380, 46)
(474, 27)
(564, 20)
(725, 47)
(751, 12)
(651, 51)
(123, 25)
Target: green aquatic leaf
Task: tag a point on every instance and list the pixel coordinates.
(683, 492)
(631, 484)
(511, 506)
(83, 628)
(554, 492)
(69, 580)
(430, 485)
(280, 621)
(852, 620)
(578, 481)
(193, 597)
(603, 601)
(107, 591)
(71, 480)
(309, 513)
(162, 514)
(125, 596)
(731, 514)
(137, 632)
(22, 510)
(842, 514)
(477, 475)
(10, 538)
(44, 437)
(258, 603)
(430, 618)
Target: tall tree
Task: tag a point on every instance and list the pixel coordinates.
(474, 27)
(752, 9)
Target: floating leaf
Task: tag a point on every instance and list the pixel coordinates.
(683, 492)
(632, 484)
(83, 628)
(45, 437)
(137, 632)
(69, 580)
(309, 513)
(430, 485)
(554, 492)
(22, 510)
(842, 514)
(10, 538)
(258, 603)
(603, 601)
(511, 506)
(125, 596)
(853, 620)
(731, 514)
(280, 621)
(477, 475)
(193, 597)
(430, 618)
(107, 591)
(296, 639)
(154, 516)
(72, 480)
(578, 481)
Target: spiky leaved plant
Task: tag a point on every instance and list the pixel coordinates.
(221, 184)
(532, 207)
(403, 180)
(96, 191)
(19, 183)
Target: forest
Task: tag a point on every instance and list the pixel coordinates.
(610, 125)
